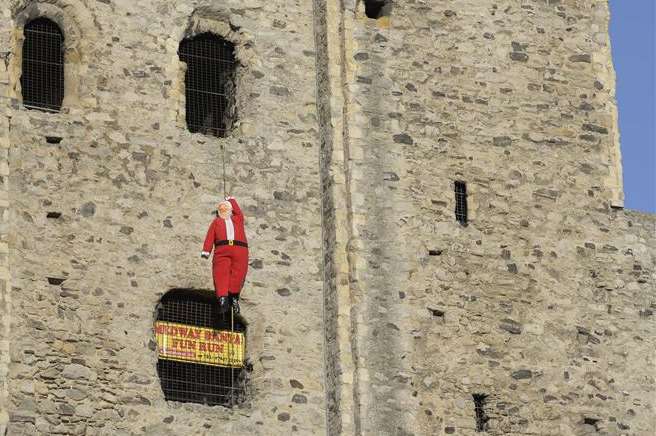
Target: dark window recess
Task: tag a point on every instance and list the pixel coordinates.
(479, 409)
(53, 139)
(55, 280)
(209, 83)
(195, 382)
(434, 252)
(42, 78)
(377, 8)
(436, 313)
(592, 421)
(53, 215)
(461, 202)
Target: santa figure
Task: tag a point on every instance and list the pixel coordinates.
(230, 263)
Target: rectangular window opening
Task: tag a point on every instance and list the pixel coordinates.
(461, 202)
(53, 139)
(377, 8)
(480, 401)
(209, 83)
(209, 377)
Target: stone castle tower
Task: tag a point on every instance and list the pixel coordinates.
(371, 309)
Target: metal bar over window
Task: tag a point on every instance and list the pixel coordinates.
(209, 83)
(461, 202)
(42, 79)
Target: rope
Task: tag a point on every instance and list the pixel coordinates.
(230, 352)
(224, 171)
(232, 312)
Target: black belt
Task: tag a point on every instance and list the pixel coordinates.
(231, 242)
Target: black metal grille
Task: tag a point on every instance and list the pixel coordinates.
(209, 83)
(479, 409)
(42, 79)
(461, 202)
(194, 382)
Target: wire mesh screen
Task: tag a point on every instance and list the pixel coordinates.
(479, 409)
(42, 79)
(209, 83)
(461, 202)
(196, 382)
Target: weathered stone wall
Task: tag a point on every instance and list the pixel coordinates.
(135, 191)
(5, 294)
(544, 301)
(350, 134)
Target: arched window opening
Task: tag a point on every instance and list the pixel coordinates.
(377, 8)
(42, 78)
(201, 353)
(209, 83)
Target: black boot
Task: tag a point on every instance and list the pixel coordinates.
(234, 302)
(223, 305)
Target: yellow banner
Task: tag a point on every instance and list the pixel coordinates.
(204, 345)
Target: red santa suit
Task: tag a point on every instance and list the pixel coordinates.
(230, 262)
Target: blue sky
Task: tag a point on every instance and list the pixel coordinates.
(632, 40)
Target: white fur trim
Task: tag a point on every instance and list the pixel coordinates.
(204, 253)
(230, 229)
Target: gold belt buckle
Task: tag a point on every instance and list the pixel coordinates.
(231, 242)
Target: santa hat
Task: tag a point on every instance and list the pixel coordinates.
(227, 205)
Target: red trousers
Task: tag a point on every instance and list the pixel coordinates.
(229, 267)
